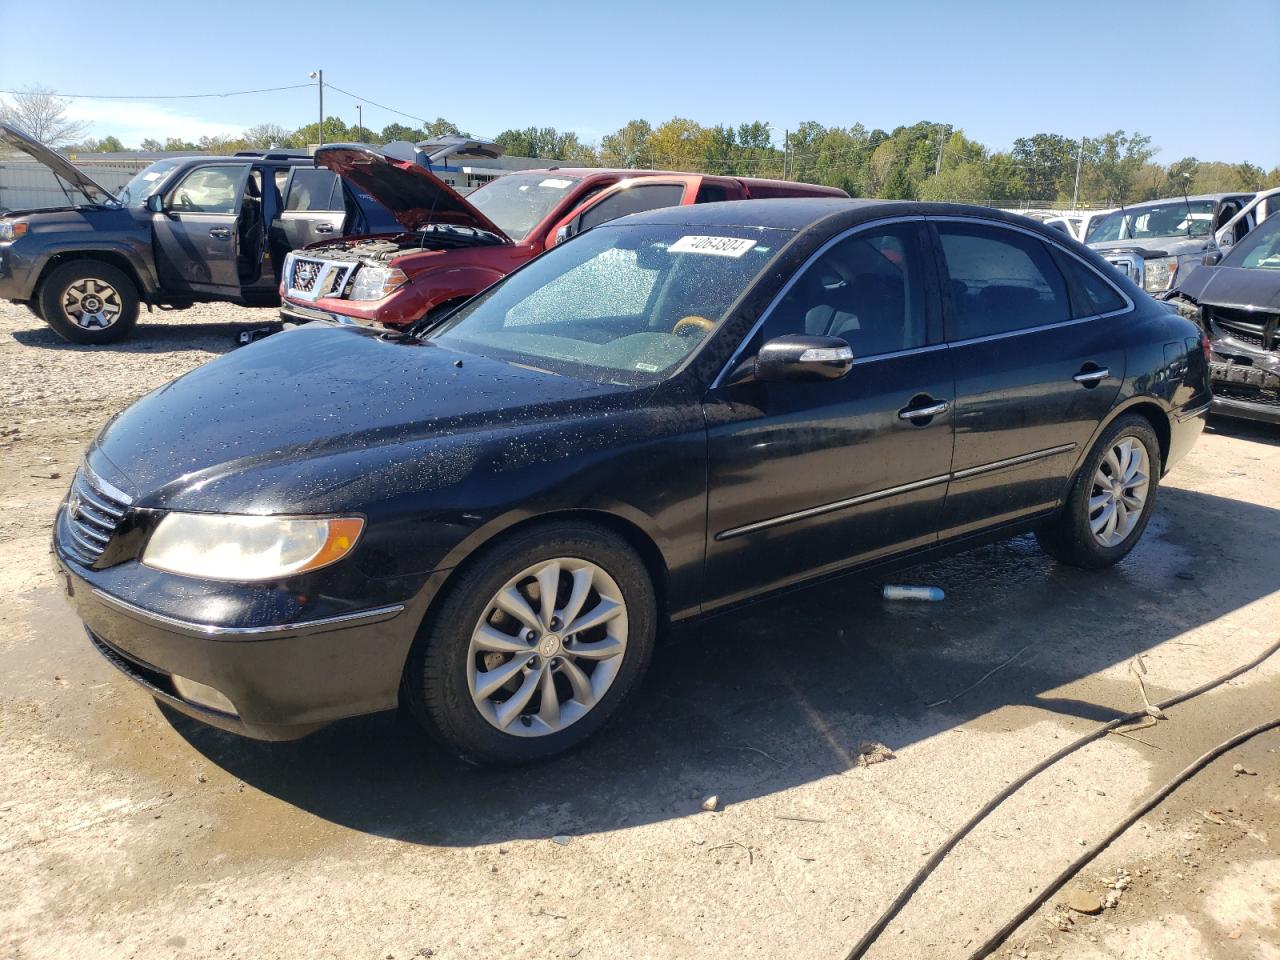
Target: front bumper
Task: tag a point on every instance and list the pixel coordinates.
(1245, 391)
(284, 680)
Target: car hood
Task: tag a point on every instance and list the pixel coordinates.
(1157, 246)
(1236, 287)
(410, 192)
(287, 406)
(56, 162)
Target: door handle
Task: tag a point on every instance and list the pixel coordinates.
(1091, 378)
(324, 228)
(923, 413)
(220, 233)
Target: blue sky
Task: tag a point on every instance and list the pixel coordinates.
(998, 70)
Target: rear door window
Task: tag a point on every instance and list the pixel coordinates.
(1095, 295)
(1001, 280)
(314, 190)
(634, 199)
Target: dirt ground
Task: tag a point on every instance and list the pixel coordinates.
(126, 832)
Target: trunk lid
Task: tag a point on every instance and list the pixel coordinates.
(410, 192)
(60, 165)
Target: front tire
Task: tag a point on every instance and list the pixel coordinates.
(1111, 500)
(536, 646)
(89, 302)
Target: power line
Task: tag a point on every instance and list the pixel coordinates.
(167, 96)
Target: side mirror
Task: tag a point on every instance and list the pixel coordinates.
(564, 233)
(1212, 258)
(796, 358)
(155, 203)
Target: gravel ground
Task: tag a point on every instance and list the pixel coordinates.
(125, 832)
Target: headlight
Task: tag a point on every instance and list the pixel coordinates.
(225, 547)
(1160, 274)
(374, 283)
(12, 229)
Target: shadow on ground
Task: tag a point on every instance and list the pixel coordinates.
(781, 694)
(152, 336)
(1245, 430)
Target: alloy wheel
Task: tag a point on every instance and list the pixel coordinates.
(92, 304)
(547, 648)
(1121, 485)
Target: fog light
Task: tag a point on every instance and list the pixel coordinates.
(202, 695)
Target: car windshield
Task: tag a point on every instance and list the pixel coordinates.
(1173, 218)
(145, 183)
(621, 303)
(1260, 248)
(518, 202)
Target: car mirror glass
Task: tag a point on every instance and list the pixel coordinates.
(155, 203)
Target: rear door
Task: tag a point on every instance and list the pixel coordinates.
(1031, 331)
(629, 196)
(314, 207)
(197, 236)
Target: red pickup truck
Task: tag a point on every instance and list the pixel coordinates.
(451, 248)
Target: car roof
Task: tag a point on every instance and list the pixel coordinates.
(799, 213)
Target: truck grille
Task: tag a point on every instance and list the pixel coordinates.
(1249, 326)
(311, 278)
(94, 510)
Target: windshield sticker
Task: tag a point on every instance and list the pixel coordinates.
(715, 246)
(558, 182)
(152, 176)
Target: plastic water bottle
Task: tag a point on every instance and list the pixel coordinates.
(894, 591)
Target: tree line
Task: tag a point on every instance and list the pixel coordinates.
(925, 160)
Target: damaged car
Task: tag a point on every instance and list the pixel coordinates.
(449, 248)
(1151, 243)
(1237, 301)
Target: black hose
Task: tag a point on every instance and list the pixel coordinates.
(1147, 805)
(863, 945)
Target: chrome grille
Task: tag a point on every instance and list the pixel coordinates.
(305, 274)
(311, 278)
(94, 510)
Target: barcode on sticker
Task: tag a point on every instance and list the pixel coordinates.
(716, 246)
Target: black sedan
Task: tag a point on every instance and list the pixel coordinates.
(1237, 301)
(491, 520)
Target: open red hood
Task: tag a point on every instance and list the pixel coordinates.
(410, 192)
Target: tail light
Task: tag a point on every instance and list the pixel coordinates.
(1205, 347)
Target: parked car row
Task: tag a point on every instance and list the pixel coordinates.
(208, 228)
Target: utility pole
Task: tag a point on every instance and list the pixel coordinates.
(318, 75)
(1075, 196)
(786, 146)
(360, 121)
(937, 166)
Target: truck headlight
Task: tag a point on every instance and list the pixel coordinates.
(12, 229)
(1160, 274)
(374, 283)
(215, 546)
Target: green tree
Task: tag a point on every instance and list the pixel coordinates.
(628, 146)
(265, 135)
(398, 131)
(898, 185)
(152, 144)
(1113, 161)
(1048, 164)
(178, 144)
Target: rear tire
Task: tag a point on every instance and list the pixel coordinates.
(1111, 500)
(562, 685)
(89, 302)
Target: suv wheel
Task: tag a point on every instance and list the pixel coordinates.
(536, 647)
(1111, 499)
(88, 301)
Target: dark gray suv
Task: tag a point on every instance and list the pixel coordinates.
(184, 230)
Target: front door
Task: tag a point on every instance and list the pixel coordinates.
(806, 478)
(197, 234)
(1037, 358)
